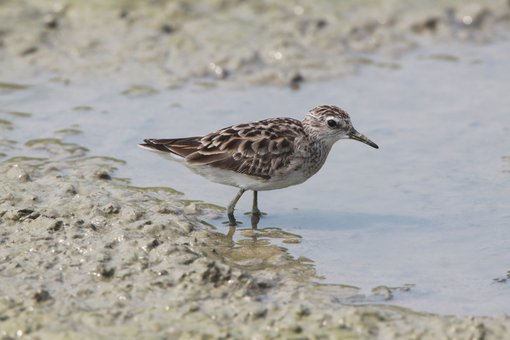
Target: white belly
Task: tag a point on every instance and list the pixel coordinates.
(291, 176)
(247, 182)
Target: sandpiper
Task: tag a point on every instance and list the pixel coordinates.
(269, 154)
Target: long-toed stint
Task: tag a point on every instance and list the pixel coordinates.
(269, 154)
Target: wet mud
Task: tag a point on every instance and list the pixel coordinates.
(165, 44)
(84, 254)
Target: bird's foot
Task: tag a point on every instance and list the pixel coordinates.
(232, 222)
(256, 213)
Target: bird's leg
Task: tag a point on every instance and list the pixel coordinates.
(231, 206)
(255, 209)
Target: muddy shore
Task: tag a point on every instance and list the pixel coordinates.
(171, 43)
(85, 254)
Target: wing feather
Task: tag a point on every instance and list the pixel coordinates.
(179, 146)
(257, 149)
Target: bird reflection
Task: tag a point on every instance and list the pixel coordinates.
(255, 248)
(254, 219)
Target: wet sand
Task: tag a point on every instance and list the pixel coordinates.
(170, 43)
(85, 254)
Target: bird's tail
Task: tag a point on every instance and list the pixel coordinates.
(181, 147)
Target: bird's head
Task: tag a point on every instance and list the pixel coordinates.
(330, 124)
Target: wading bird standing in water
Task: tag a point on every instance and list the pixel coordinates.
(269, 154)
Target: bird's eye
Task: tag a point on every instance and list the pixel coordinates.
(332, 123)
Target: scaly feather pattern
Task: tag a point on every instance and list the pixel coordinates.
(256, 149)
(265, 155)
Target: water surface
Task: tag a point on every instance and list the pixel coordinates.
(430, 208)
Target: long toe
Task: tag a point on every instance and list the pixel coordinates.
(232, 222)
(255, 212)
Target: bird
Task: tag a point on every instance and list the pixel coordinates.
(269, 154)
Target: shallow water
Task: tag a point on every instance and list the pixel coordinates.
(429, 208)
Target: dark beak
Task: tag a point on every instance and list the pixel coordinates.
(362, 138)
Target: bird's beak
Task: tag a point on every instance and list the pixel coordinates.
(361, 138)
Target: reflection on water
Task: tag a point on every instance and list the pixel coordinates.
(424, 220)
(255, 249)
(269, 249)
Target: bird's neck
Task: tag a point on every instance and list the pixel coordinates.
(320, 142)
(317, 155)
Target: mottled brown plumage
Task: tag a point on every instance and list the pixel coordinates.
(256, 149)
(265, 155)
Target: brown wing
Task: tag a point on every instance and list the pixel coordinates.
(256, 149)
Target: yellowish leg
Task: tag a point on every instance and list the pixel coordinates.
(255, 209)
(231, 206)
